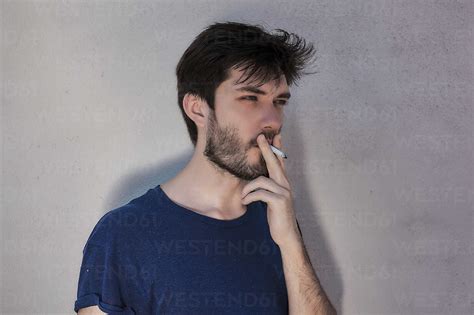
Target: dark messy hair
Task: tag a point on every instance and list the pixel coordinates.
(206, 63)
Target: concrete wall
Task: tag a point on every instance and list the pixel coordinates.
(380, 155)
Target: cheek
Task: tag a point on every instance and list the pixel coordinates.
(240, 117)
(245, 133)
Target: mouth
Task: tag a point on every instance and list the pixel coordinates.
(270, 141)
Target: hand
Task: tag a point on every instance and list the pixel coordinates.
(276, 192)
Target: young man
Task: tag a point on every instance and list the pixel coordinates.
(221, 237)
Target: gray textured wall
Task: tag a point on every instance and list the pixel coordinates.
(380, 155)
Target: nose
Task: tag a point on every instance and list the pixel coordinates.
(271, 119)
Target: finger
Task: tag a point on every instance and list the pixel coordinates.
(274, 167)
(263, 183)
(278, 144)
(260, 195)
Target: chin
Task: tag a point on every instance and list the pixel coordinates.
(257, 150)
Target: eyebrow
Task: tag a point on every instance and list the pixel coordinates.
(256, 90)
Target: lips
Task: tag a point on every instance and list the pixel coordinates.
(269, 140)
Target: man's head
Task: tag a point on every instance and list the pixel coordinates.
(233, 81)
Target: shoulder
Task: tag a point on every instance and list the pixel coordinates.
(120, 222)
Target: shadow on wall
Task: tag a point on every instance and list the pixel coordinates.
(136, 184)
(307, 213)
(323, 261)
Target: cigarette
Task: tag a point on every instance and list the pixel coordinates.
(278, 152)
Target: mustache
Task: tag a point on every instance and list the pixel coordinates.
(269, 136)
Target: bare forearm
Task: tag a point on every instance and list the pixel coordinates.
(305, 294)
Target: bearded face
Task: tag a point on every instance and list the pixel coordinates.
(225, 149)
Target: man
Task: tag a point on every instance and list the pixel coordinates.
(221, 237)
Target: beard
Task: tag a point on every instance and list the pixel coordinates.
(227, 153)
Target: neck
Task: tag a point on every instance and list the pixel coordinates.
(203, 187)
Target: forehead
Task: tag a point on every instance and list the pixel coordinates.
(236, 77)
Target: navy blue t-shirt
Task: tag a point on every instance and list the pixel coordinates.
(153, 256)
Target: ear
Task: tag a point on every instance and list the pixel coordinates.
(196, 109)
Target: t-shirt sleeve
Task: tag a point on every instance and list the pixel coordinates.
(100, 278)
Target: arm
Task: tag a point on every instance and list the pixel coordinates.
(305, 294)
(91, 310)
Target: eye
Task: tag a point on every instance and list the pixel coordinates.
(250, 97)
(281, 102)
(254, 98)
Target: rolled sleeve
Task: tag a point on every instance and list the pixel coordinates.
(99, 281)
